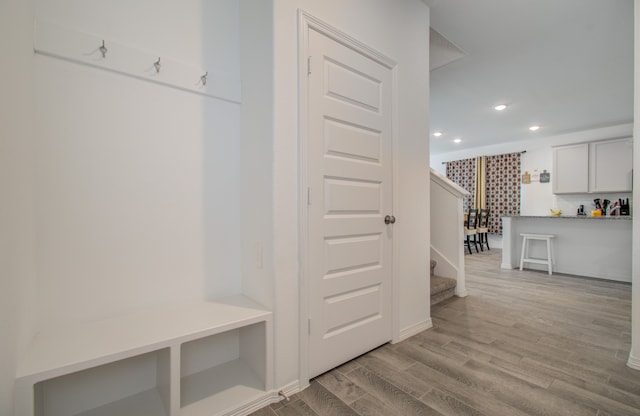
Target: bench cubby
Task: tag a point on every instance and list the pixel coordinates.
(136, 386)
(218, 370)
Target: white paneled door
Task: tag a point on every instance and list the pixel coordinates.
(350, 217)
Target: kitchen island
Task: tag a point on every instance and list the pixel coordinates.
(584, 245)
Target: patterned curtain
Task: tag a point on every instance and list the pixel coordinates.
(503, 188)
(463, 173)
(481, 182)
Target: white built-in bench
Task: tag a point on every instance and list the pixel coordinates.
(200, 358)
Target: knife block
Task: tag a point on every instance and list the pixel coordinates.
(624, 209)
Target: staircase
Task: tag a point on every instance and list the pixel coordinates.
(447, 229)
(441, 287)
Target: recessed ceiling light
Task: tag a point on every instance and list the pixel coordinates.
(437, 134)
(458, 140)
(500, 107)
(534, 128)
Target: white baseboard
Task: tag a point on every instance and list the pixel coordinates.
(413, 330)
(270, 397)
(445, 266)
(633, 362)
(291, 389)
(461, 293)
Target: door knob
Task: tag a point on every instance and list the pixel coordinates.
(389, 219)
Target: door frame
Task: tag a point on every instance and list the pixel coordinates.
(308, 22)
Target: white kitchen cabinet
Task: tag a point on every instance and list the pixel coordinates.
(571, 169)
(610, 166)
(596, 167)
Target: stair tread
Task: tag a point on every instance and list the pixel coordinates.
(440, 284)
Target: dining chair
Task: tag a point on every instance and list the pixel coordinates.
(482, 231)
(470, 229)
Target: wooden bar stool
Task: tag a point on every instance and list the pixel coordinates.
(524, 256)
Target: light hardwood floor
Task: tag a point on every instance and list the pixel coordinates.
(522, 343)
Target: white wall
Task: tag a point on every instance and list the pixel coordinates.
(17, 238)
(634, 354)
(137, 183)
(257, 200)
(537, 198)
(398, 29)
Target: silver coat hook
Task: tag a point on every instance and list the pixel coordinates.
(156, 65)
(103, 50)
(203, 79)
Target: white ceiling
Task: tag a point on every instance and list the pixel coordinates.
(566, 65)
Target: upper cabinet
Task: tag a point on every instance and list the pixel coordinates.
(611, 166)
(571, 169)
(603, 166)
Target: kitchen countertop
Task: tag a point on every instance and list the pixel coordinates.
(574, 217)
